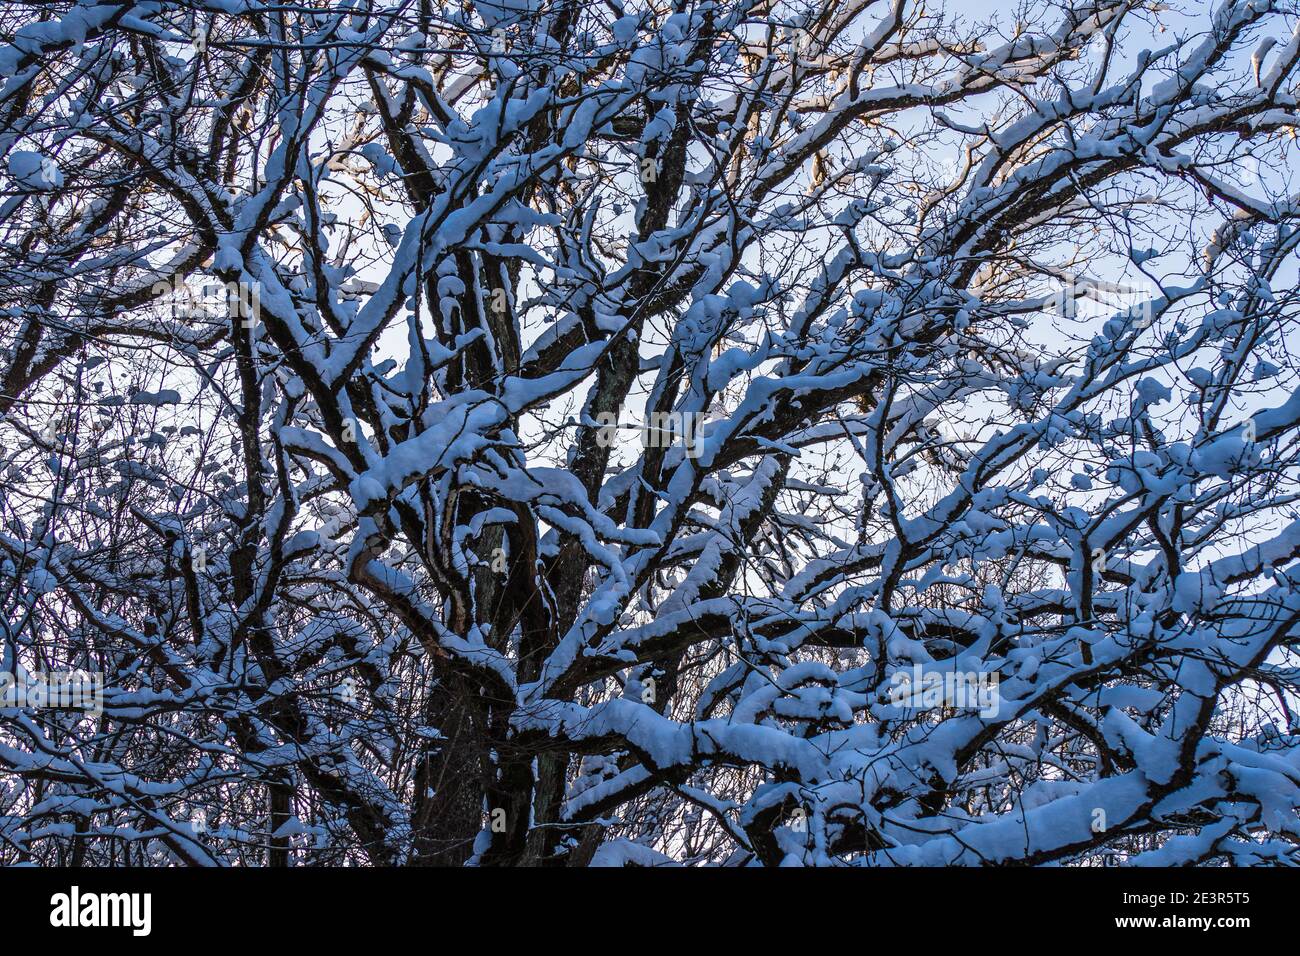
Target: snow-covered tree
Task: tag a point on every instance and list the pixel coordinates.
(515, 432)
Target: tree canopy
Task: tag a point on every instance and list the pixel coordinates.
(731, 432)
